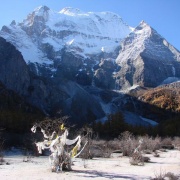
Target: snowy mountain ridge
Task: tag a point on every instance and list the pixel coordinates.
(144, 38)
(81, 33)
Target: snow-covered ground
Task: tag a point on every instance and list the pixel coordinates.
(115, 168)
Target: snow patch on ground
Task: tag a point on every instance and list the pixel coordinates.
(116, 168)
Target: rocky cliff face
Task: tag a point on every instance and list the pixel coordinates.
(13, 69)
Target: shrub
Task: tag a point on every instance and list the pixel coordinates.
(164, 176)
(171, 176)
(136, 159)
(127, 143)
(167, 143)
(151, 144)
(176, 142)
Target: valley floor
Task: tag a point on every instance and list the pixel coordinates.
(114, 168)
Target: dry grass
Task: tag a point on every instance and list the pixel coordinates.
(127, 143)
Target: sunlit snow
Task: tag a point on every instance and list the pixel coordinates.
(83, 33)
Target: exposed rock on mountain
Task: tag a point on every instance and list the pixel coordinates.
(103, 76)
(13, 69)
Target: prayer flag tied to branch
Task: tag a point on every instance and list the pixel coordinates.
(60, 158)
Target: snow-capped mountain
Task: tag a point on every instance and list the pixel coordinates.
(64, 49)
(74, 58)
(146, 58)
(82, 33)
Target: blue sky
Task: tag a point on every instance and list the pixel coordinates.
(162, 15)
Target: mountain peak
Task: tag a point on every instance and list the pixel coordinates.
(41, 9)
(143, 23)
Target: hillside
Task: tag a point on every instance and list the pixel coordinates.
(166, 98)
